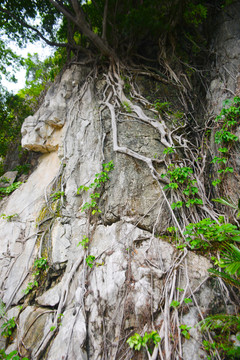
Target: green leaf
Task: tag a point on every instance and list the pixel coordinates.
(145, 339)
(187, 300)
(11, 354)
(231, 259)
(179, 289)
(216, 182)
(177, 204)
(174, 303)
(155, 337)
(223, 150)
(195, 201)
(184, 331)
(90, 260)
(186, 334)
(225, 201)
(172, 229)
(173, 185)
(169, 150)
(135, 342)
(228, 278)
(219, 160)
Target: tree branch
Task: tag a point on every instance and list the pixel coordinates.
(77, 10)
(62, 9)
(80, 21)
(104, 24)
(22, 22)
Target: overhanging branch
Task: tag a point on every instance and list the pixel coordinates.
(79, 20)
(26, 25)
(104, 25)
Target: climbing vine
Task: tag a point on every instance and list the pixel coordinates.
(99, 180)
(197, 223)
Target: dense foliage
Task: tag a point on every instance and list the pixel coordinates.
(111, 27)
(116, 29)
(13, 110)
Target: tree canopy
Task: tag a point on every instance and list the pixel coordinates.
(110, 27)
(129, 30)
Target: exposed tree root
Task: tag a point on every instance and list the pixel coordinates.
(186, 153)
(113, 98)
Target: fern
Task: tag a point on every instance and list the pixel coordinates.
(231, 260)
(224, 322)
(228, 202)
(228, 278)
(221, 326)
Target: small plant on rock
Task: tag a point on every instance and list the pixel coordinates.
(181, 180)
(223, 328)
(5, 180)
(127, 106)
(90, 260)
(207, 233)
(30, 287)
(185, 331)
(8, 190)
(100, 178)
(13, 355)
(228, 118)
(8, 327)
(57, 195)
(162, 106)
(148, 341)
(9, 217)
(84, 242)
(40, 265)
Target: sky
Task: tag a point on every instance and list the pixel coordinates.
(38, 47)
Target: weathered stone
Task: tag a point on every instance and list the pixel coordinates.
(226, 66)
(50, 297)
(192, 347)
(130, 263)
(34, 323)
(18, 238)
(61, 235)
(8, 178)
(70, 338)
(123, 290)
(41, 132)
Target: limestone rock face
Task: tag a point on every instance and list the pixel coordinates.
(41, 132)
(86, 308)
(225, 77)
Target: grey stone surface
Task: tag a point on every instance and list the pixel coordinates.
(34, 324)
(127, 278)
(8, 178)
(225, 45)
(123, 291)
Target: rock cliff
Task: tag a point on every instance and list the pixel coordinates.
(125, 273)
